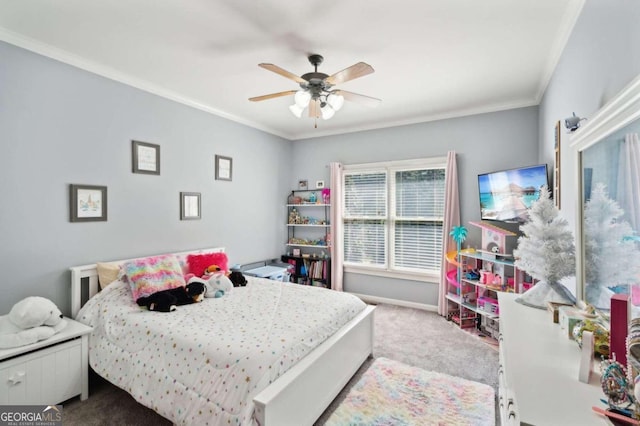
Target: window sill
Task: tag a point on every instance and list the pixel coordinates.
(412, 276)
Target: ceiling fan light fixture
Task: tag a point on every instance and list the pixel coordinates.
(302, 98)
(327, 111)
(296, 110)
(316, 90)
(335, 101)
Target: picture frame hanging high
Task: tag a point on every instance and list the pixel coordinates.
(87, 203)
(145, 158)
(224, 167)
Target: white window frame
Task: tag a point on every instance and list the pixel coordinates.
(391, 168)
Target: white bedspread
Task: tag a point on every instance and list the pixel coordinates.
(204, 363)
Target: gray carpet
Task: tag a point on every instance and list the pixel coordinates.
(415, 337)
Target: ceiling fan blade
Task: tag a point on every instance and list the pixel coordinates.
(356, 97)
(282, 72)
(272, 95)
(314, 108)
(354, 71)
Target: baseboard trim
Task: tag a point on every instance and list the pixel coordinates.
(376, 300)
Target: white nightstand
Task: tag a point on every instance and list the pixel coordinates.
(49, 371)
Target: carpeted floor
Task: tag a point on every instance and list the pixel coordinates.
(411, 336)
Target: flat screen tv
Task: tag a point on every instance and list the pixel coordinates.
(507, 195)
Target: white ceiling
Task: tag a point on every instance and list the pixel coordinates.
(433, 59)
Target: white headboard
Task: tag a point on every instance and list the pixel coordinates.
(79, 273)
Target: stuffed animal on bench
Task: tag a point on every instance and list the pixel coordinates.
(169, 300)
(29, 321)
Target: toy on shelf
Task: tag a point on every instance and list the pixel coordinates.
(480, 274)
(494, 238)
(452, 278)
(326, 196)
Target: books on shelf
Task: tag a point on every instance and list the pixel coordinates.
(316, 269)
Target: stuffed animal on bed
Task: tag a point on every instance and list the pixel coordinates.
(217, 285)
(168, 300)
(237, 279)
(211, 270)
(30, 320)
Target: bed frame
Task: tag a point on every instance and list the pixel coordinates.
(300, 395)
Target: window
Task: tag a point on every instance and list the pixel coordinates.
(393, 215)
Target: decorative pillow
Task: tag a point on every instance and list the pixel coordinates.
(199, 262)
(107, 273)
(153, 274)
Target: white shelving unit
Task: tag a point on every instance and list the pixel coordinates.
(307, 222)
(308, 238)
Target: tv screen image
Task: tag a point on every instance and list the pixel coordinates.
(507, 195)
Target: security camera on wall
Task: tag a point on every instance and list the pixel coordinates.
(573, 123)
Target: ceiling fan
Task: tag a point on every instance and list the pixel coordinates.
(316, 89)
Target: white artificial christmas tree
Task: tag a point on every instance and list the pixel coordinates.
(546, 251)
(611, 254)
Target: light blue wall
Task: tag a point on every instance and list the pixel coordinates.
(61, 125)
(601, 57)
(484, 143)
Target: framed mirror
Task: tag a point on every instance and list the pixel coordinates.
(607, 160)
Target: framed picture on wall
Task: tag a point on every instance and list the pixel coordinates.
(88, 203)
(190, 206)
(145, 157)
(223, 167)
(556, 166)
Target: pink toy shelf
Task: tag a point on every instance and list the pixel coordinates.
(494, 239)
(488, 304)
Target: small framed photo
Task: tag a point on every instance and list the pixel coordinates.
(296, 252)
(319, 184)
(88, 203)
(303, 184)
(145, 157)
(223, 167)
(189, 206)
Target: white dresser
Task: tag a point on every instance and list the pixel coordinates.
(49, 371)
(538, 373)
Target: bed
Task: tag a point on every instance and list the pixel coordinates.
(281, 370)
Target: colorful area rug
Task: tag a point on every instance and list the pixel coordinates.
(392, 393)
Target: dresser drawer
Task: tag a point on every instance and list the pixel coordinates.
(47, 376)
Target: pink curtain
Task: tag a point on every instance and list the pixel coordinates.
(451, 219)
(337, 248)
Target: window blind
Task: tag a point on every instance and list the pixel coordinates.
(393, 217)
(365, 217)
(419, 214)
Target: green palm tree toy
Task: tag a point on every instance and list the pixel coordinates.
(459, 234)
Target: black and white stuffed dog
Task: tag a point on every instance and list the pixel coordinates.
(237, 278)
